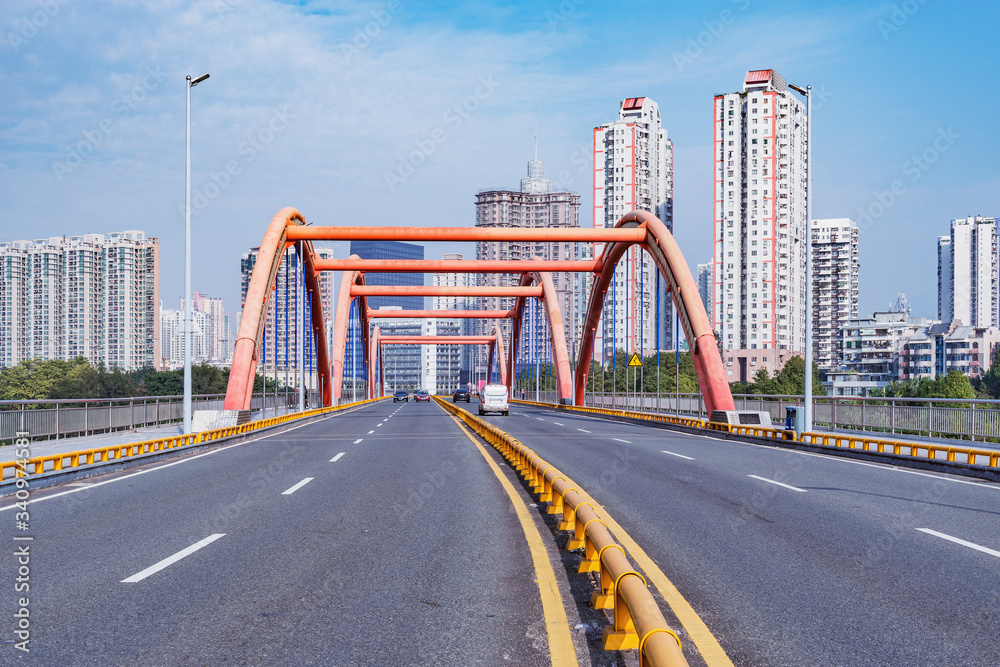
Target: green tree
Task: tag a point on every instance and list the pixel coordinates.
(33, 379)
(81, 381)
(991, 381)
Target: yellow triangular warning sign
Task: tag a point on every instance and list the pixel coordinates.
(634, 360)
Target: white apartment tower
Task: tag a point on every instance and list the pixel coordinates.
(94, 296)
(633, 170)
(535, 205)
(969, 273)
(759, 234)
(211, 337)
(835, 286)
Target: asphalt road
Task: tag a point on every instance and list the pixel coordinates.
(403, 550)
(794, 558)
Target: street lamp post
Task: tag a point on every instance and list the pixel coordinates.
(808, 420)
(187, 258)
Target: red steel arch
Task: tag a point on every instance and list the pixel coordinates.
(243, 371)
(557, 334)
(348, 281)
(660, 244)
(288, 228)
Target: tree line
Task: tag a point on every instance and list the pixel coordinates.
(77, 379)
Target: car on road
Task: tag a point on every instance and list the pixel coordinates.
(422, 396)
(400, 396)
(493, 398)
(461, 395)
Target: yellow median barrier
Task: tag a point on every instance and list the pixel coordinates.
(637, 622)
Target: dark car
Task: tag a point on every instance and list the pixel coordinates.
(461, 395)
(422, 396)
(401, 396)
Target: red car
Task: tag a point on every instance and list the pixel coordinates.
(422, 396)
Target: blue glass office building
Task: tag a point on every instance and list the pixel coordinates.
(354, 358)
(391, 250)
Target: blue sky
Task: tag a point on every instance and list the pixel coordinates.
(325, 105)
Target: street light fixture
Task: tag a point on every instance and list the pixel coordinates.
(187, 258)
(808, 417)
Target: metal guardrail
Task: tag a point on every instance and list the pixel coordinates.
(926, 451)
(972, 419)
(637, 621)
(66, 417)
(67, 460)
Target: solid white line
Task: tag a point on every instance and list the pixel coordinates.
(358, 440)
(167, 465)
(334, 459)
(680, 456)
(371, 431)
(558, 424)
(620, 440)
(583, 429)
(166, 562)
(297, 486)
(841, 459)
(771, 481)
(956, 540)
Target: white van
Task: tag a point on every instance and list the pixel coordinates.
(493, 398)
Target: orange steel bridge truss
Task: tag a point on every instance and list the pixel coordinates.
(638, 228)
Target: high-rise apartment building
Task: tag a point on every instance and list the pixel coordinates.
(218, 335)
(759, 233)
(535, 205)
(279, 349)
(211, 335)
(705, 286)
(969, 273)
(633, 170)
(835, 286)
(453, 363)
(95, 296)
(945, 304)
